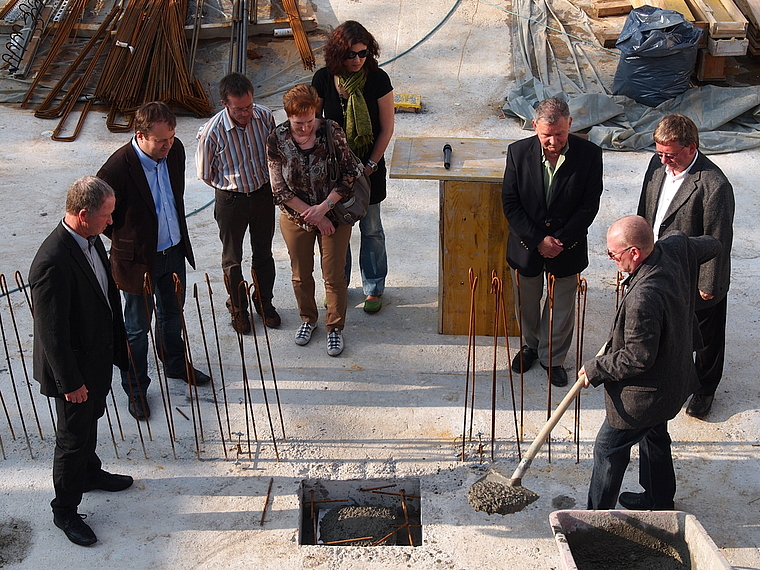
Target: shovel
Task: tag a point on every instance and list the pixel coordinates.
(495, 493)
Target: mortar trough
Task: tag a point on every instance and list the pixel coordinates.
(627, 540)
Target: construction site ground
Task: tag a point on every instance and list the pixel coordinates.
(391, 406)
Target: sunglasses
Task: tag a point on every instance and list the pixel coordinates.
(616, 256)
(362, 54)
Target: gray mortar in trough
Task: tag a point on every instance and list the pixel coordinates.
(360, 512)
(628, 540)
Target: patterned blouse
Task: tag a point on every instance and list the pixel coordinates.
(303, 173)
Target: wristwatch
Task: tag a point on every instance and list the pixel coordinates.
(330, 203)
(372, 164)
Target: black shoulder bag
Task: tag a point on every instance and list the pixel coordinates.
(353, 209)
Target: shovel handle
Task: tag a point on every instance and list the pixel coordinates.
(557, 414)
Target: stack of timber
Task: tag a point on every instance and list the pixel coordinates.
(607, 37)
(751, 9)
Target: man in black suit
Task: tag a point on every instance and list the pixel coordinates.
(684, 190)
(149, 235)
(78, 337)
(551, 191)
(647, 367)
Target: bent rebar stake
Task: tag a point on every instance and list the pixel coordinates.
(110, 428)
(242, 289)
(158, 358)
(470, 351)
(189, 368)
(22, 287)
(208, 363)
(580, 319)
(261, 375)
(15, 391)
(130, 376)
(509, 369)
(496, 291)
(6, 293)
(271, 360)
(550, 283)
(219, 354)
(520, 354)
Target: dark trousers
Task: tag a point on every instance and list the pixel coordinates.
(236, 212)
(709, 361)
(612, 453)
(171, 347)
(76, 437)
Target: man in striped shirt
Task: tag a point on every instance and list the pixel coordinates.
(231, 158)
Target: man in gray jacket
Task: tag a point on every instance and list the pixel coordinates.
(647, 368)
(683, 190)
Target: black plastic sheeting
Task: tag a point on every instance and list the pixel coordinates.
(658, 50)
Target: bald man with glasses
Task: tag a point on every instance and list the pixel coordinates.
(683, 190)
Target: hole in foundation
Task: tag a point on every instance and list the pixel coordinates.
(360, 512)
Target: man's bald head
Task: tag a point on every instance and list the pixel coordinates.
(630, 240)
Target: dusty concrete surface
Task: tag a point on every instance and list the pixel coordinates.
(391, 405)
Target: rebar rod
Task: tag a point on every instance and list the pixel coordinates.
(208, 363)
(219, 355)
(192, 385)
(6, 293)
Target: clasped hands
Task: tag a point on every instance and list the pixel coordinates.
(315, 215)
(550, 247)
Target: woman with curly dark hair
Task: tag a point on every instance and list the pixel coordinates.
(358, 95)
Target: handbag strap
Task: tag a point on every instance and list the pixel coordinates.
(333, 171)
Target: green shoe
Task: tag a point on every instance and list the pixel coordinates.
(373, 306)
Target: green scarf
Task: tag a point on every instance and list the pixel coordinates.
(358, 123)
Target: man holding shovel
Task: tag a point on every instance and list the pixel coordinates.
(648, 367)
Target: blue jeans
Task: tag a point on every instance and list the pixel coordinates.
(373, 259)
(168, 336)
(612, 453)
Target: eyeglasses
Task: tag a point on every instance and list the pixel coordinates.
(240, 110)
(362, 54)
(668, 155)
(616, 256)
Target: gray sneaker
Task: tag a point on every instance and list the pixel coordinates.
(335, 343)
(303, 336)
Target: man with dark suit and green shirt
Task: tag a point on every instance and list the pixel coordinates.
(552, 185)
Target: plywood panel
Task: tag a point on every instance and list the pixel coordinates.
(474, 160)
(473, 235)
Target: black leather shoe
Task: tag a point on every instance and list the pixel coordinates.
(75, 529)
(639, 502)
(139, 410)
(201, 378)
(105, 481)
(699, 406)
(559, 375)
(529, 357)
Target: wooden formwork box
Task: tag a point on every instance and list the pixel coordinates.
(472, 228)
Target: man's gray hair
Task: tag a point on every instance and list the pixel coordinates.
(88, 193)
(552, 110)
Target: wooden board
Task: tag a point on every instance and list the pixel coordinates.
(676, 5)
(474, 160)
(473, 234)
(607, 38)
(710, 67)
(605, 8)
(751, 10)
(724, 19)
